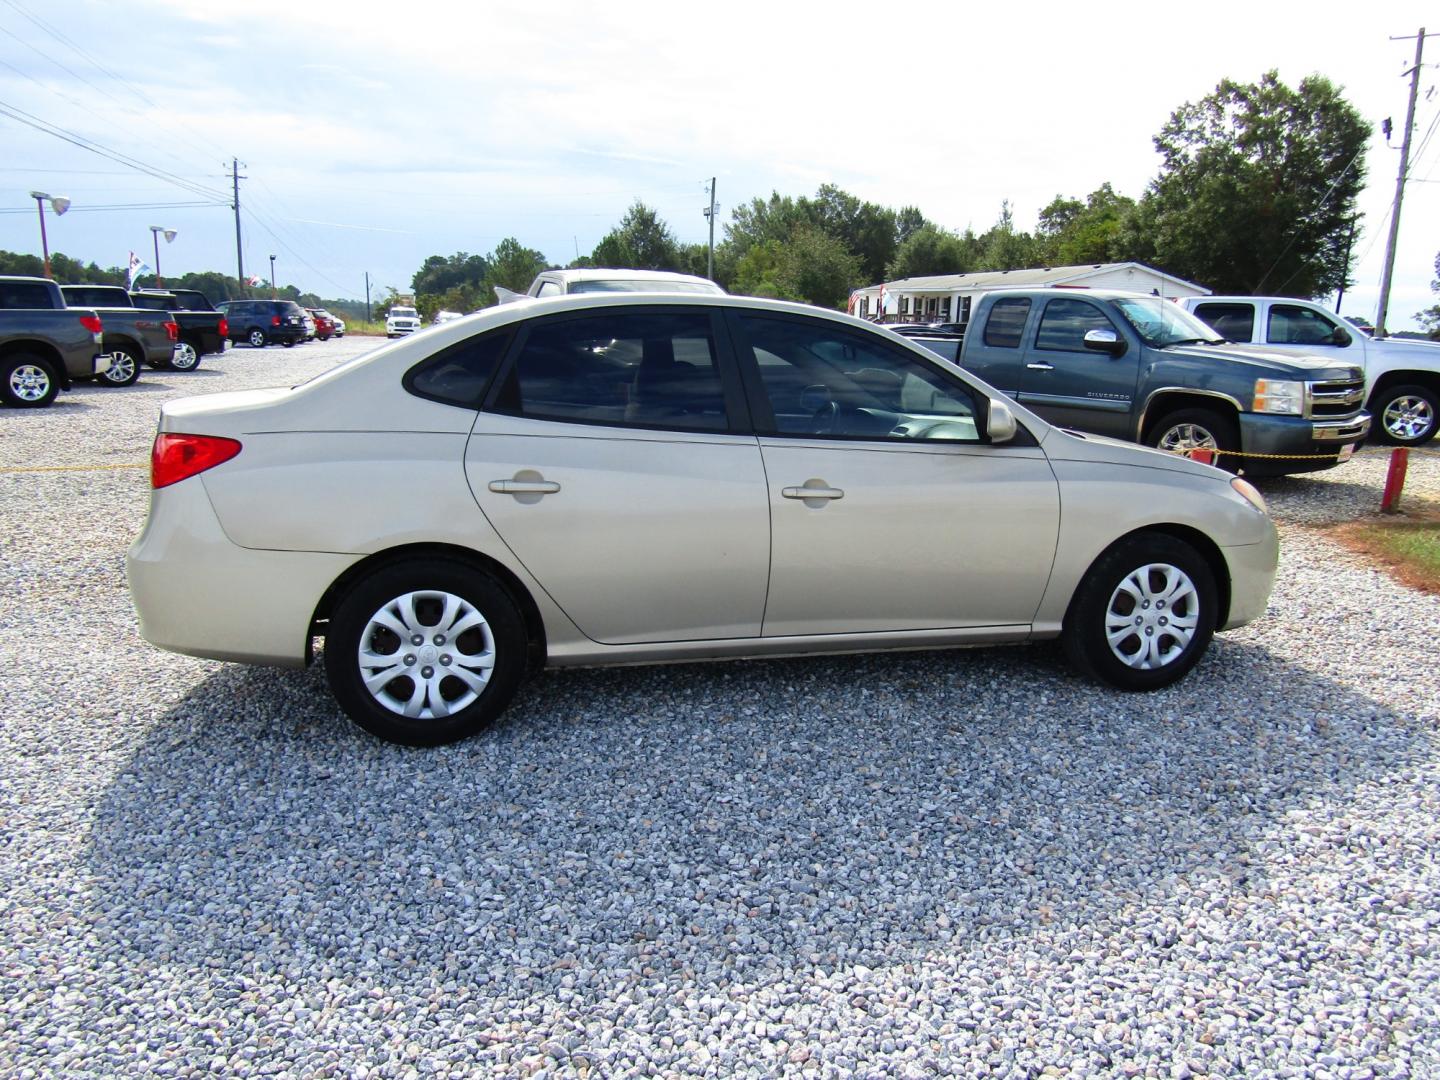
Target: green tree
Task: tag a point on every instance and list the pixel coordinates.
(511, 266)
(1430, 317)
(1071, 232)
(640, 242)
(1003, 247)
(1258, 186)
(932, 250)
(441, 273)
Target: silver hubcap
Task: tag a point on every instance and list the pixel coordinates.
(257, 338)
(121, 368)
(1152, 616)
(1182, 438)
(426, 654)
(30, 382)
(1409, 418)
(184, 356)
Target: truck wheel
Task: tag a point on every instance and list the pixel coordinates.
(425, 652)
(185, 357)
(124, 368)
(27, 382)
(1198, 429)
(1406, 415)
(257, 339)
(1143, 615)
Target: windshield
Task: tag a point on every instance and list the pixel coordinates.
(1161, 322)
(403, 313)
(639, 285)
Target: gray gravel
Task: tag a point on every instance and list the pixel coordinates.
(961, 863)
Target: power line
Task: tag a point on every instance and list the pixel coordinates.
(115, 206)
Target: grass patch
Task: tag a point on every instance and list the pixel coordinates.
(1408, 548)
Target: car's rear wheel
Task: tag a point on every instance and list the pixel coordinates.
(426, 652)
(124, 368)
(1187, 430)
(1144, 614)
(256, 338)
(1407, 414)
(27, 382)
(185, 357)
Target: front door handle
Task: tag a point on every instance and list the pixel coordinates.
(524, 487)
(1040, 365)
(816, 490)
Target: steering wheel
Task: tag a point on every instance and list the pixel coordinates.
(823, 421)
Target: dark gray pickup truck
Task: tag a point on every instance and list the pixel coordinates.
(43, 344)
(133, 336)
(203, 328)
(1143, 369)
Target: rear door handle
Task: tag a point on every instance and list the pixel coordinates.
(812, 493)
(524, 487)
(1040, 365)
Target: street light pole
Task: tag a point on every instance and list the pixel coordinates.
(273, 294)
(170, 234)
(59, 203)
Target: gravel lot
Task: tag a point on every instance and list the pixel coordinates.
(961, 863)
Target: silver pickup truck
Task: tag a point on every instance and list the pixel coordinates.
(134, 336)
(43, 344)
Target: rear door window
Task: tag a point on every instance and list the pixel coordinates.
(1006, 324)
(1233, 322)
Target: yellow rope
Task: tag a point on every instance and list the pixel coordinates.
(73, 468)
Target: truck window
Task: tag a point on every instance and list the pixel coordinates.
(1291, 324)
(25, 294)
(1006, 324)
(1065, 323)
(1233, 322)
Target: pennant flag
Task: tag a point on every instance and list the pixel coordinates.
(254, 280)
(137, 268)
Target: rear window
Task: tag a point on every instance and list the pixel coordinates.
(1006, 324)
(153, 302)
(1233, 322)
(95, 296)
(25, 294)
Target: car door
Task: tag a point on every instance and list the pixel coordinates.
(1299, 328)
(1071, 385)
(993, 350)
(888, 511)
(614, 459)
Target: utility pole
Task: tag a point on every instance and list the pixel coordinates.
(239, 251)
(709, 212)
(1399, 185)
(367, 295)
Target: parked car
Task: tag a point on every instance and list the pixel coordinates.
(1137, 367)
(133, 336)
(1402, 377)
(44, 345)
(324, 328)
(263, 322)
(337, 324)
(565, 282)
(401, 320)
(203, 329)
(611, 479)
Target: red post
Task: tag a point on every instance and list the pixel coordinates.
(1395, 480)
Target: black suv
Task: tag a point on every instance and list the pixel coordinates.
(261, 322)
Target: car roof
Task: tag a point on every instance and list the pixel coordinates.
(621, 273)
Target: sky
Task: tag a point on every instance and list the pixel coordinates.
(374, 135)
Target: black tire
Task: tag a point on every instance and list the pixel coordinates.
(1405, 415)
(186, 357)
(1185, 428)
(257, 338)
(27, 381)
(124, 368)
(288, 343)
(1100, 605)
(353, 618)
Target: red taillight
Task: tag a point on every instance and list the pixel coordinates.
(92, 323)
(224, 326)
(274, 320)
(176, 457)
(173, 329)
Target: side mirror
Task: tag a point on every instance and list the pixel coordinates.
(1341, 337)
(1106, 341)
(1000, 424)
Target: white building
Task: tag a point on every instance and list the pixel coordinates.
(947, 297)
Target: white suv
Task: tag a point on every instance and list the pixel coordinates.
(401, 320)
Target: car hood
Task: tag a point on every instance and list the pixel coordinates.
(1424, 352)
(1064, 444)
(1298, 365)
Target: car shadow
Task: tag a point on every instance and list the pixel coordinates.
(715, 822)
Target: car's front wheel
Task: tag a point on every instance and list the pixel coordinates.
(426, 652)
(1407, 415)
(1187, 430)
(124, 368)
(1144, 614)
(256, 338)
